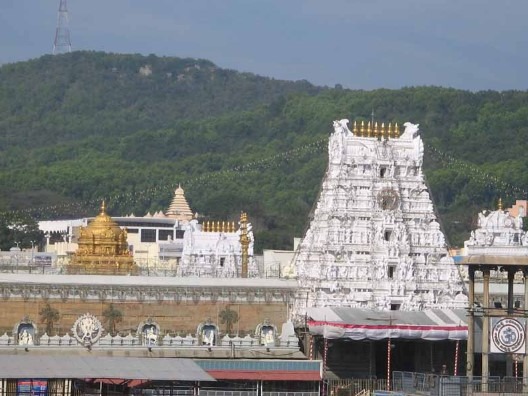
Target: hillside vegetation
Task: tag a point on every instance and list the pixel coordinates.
(77, 128)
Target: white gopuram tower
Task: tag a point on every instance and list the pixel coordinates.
(374, 241)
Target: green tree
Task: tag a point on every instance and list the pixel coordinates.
(112, 316)
(18, 230)
(229, 318)
(49, 316)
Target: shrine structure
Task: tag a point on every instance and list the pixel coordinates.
(374, 241)
(218, 249)
(497, 256)
(102, 249)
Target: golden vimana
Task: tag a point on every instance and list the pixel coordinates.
(376, 130)
(103, 249)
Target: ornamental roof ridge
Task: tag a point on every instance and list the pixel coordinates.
(372, 129)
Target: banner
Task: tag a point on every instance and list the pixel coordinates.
(33, 387)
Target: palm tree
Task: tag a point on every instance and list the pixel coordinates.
(112, 316)
(229, 318)
(49, 316)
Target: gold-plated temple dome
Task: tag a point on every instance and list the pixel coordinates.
(102, 226)
(103, 249)
(179, 208)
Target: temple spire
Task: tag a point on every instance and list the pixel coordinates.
(179, 208)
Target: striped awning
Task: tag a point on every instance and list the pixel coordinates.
(359, 324)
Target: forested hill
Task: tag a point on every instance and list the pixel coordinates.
(77, 128)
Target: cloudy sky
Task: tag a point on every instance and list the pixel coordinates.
(360, 44)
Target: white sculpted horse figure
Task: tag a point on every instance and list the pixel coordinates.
(341, 126)
(410, 132)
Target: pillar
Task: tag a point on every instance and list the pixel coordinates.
(525, 358)
(509, 356)
(511, 276)
(471, 326)
(485, 329)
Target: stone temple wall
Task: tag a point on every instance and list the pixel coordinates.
(178, 305)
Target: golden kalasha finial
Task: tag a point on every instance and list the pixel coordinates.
(362, 131)
(369, 129)
(103, 207)
(499, 205)
(376, 131)
(389, 131)
(355, 129)
(243, 217)
(382, 131)
(396, 130)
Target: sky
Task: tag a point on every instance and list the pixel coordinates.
(359, 44)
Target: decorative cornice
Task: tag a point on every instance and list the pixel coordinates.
(102, 293)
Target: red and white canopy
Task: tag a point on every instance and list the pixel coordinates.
(359, 324)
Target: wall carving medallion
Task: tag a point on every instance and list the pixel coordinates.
(87, 329)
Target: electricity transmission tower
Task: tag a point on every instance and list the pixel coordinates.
(62, 43)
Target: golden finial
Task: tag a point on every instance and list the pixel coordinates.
(499, 205)
(396, 130)
(103, 207)
(382, 132)
(243, 217)
(362, 131)
(244, 242)
(369, 129)
(389, 131)
(355, 129)
(376, 129)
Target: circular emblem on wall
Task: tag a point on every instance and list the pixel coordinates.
(508, 335)
(388, 199)
(87, 329)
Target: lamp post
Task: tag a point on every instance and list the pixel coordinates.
(32, 262)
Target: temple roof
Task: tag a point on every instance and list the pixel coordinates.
(179, 208)
(101, 224)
